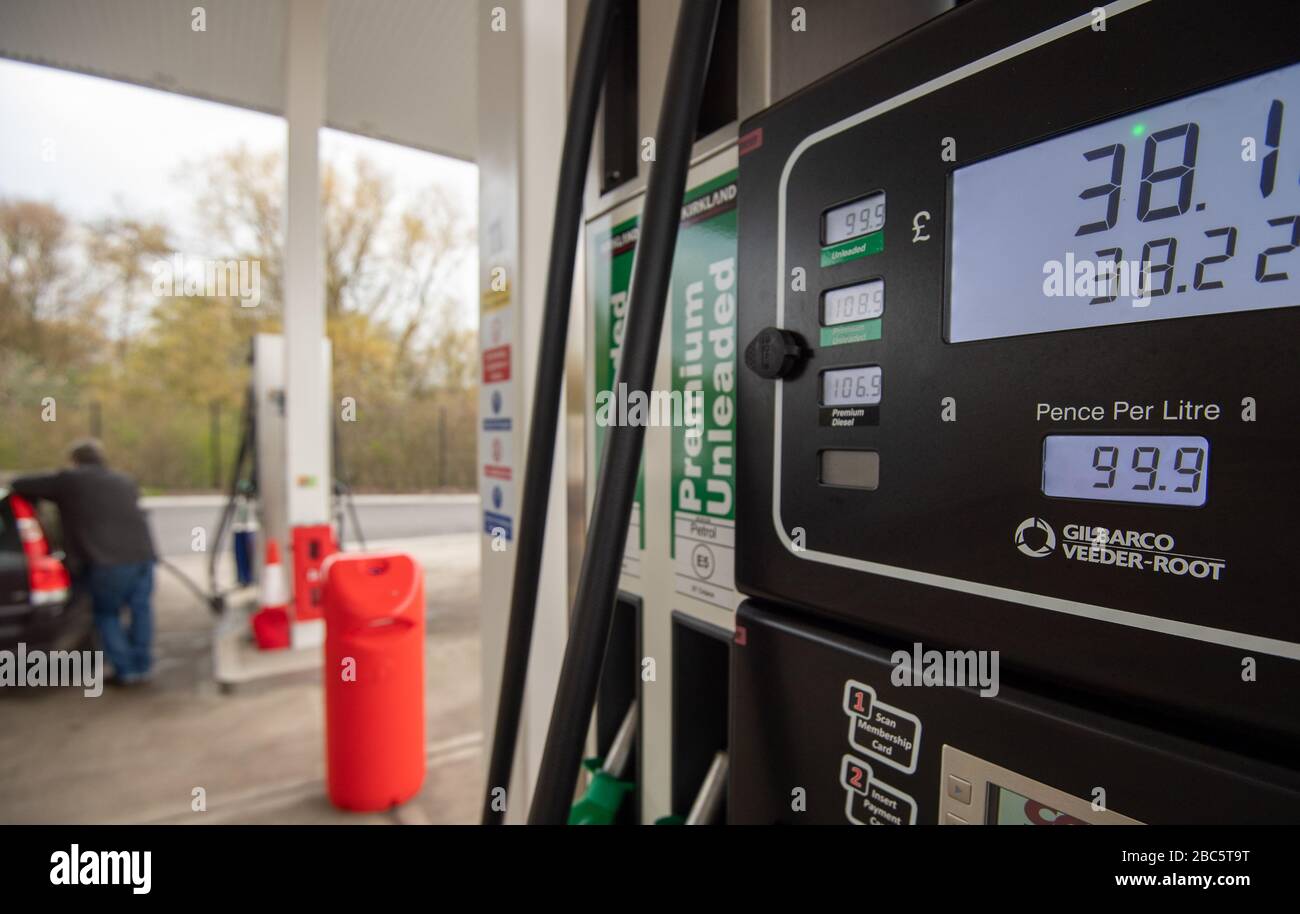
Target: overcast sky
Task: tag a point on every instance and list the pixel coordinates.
(118, 149)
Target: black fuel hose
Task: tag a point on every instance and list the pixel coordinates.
(343, 491)
(593, 52)
(603, 556)
(247, 446)
(207, 599)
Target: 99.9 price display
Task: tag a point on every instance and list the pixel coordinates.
(853, 220)
(1147, 469)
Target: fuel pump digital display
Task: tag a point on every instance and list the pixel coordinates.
(858, 302)
(1151, 469)
(1006, 807)
(852, 220)
(1150, 216)
(859, 386)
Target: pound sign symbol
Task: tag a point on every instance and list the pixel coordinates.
(920, 222)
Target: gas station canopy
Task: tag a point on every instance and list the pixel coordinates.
(398, 70)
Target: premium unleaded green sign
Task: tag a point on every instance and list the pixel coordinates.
(609, 274)
(704, 365)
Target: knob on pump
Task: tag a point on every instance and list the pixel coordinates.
(774, 353)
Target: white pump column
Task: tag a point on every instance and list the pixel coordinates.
(522, 104)
(307, 438)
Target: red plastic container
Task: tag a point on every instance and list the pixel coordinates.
(374, 679)
(271, 629)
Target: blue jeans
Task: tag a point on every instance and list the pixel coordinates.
(112, 588)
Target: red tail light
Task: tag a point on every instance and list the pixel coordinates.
(47, 579)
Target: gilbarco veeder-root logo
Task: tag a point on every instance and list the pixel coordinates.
(1035, 537)
(1139, 550)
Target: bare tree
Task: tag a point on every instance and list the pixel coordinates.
(400, 346)
(393, 267)
(239, 208)
(44, 303)
(125, 250)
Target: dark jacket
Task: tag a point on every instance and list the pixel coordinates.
(100, 510)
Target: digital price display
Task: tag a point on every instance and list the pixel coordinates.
(858, 386)
(851, 220)
(1147, 469)
(859, 302)
(1151, 216)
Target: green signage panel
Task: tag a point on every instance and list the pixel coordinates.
(853, 249)
(857, 332)
(704, 376)
(610, 252)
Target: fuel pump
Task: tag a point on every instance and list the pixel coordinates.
(257, 504)
(1011, 442)
(1017, 460)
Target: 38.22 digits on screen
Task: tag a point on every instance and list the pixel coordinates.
(1224, 237)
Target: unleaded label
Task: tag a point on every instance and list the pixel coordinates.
(853, 249)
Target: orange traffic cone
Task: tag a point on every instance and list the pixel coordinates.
(271, 622)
